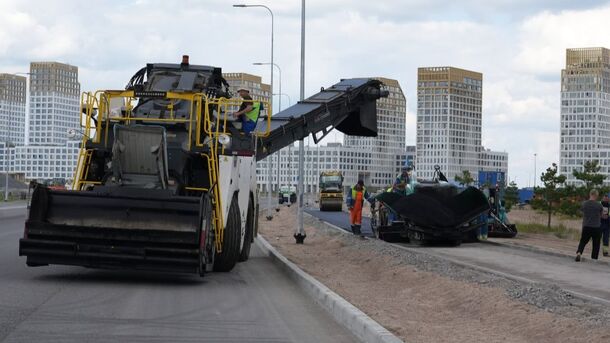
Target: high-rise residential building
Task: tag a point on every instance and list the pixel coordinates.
(54, 102)
(49, 154)
(380, 169)
(12, 109)
(493, 161)
(585, 111)
(258, 90)
(448, 120)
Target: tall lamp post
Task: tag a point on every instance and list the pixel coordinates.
(300, 235)
(278, 154)
(269, 213)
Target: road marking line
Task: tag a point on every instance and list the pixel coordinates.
(12, 207)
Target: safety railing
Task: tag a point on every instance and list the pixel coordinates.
(207, 120)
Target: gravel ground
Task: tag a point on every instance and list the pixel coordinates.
(423, 298)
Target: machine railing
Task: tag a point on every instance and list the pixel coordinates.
(206, 121)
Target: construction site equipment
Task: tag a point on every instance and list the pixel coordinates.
(331, 191)
(493, 185)
(288, 195)
(165, 180)
(436, 211)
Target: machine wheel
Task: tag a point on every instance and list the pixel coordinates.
(416, 237)
(226, 260)
(206, 252)
(249, 236)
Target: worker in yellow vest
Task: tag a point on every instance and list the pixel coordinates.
(248, 111)
(355, 202)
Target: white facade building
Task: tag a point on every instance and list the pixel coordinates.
(585, 111)
(54, 110)
(48, 162)
(449, 121)
(12, 115)
(374, 158)
(54, 102)
(12, 109)
(317, 159)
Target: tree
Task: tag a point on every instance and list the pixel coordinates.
(465, 179)
(590, 174)
(550, 179)
(511, 195)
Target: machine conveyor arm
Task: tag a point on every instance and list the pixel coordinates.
(348, 106)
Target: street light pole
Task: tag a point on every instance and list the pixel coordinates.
(280, 78)
(286, 95)
(270, 110)
(278, 154)
(300, 235)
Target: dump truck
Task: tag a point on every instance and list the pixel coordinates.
(166, 180)
(331, 191)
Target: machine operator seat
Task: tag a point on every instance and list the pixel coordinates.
(139, 156)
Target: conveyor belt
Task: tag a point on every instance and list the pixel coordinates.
(348, 106)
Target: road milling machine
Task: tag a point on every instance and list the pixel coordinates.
(166, 181)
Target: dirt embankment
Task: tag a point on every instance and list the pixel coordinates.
(418, 305)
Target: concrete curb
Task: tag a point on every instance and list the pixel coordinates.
(356, 321)
(544, 251)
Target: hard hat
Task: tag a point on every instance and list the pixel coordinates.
(242, 88)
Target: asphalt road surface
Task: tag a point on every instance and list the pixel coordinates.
(341, 219)
(255, 302)
(587, 278)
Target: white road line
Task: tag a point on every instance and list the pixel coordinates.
(12, 207)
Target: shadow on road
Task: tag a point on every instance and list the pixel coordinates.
(92, 276)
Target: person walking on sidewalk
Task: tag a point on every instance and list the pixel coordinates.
(591, 225)
(355, 202)
(605, 225)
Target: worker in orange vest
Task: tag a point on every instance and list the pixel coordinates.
(355, 202)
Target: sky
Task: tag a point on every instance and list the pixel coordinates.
(518, 45)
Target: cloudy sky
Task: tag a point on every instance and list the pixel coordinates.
(518, 45)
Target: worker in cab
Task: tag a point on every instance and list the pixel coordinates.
(248, 112)
(404, 183)
(483, 229)
(355, 202)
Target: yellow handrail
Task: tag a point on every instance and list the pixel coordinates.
(200, 119)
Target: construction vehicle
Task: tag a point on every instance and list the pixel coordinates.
(331, 191)
(493, 184)
(288, 195)
(435, 211)
(166, 181)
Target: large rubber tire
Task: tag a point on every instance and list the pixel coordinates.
(245, 250)
(226, 260)
(206, 253)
